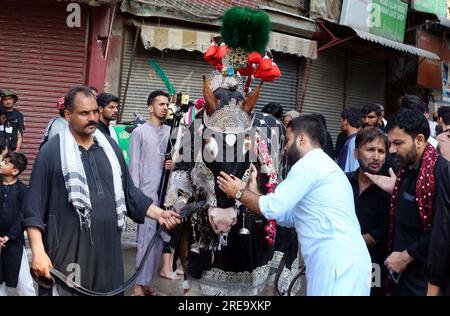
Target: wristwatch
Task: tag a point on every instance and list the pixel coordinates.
(239, 194)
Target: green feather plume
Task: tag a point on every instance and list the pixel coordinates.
(160, 72)
(246, 28)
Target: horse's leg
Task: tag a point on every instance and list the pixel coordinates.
(182, 252)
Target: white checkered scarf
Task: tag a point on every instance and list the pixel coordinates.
(76, 182)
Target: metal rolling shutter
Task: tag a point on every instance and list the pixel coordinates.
(366, 81)
(185, 71)
(325, 92)
(284, 89)
(40, 58)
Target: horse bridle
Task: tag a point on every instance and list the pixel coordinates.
(48, 283)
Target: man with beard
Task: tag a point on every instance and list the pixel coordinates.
(421, 188)
(371, 202)
(80, 194)
(316, 198)
(108, 105)
(147, 155)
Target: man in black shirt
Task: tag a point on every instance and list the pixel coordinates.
(78, 223)
(420, 189)
(108, 106)
(371, 202)
(14, 125)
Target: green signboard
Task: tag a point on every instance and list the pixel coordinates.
(124, 138)
(385, 18)
(438, 7)
(389, 19)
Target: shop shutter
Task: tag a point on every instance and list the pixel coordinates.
(366, 81)
(40, 58)
(325, 91)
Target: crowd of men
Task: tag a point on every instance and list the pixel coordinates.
(399, 183)
(400, 189)
(381, 197)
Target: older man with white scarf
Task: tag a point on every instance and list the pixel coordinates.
(80, 194)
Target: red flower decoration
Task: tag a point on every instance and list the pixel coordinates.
(271, 225)
(199, 103)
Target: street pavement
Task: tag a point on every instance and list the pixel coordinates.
(163, 286)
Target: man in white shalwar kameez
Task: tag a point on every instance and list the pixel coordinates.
(147, 154)
(316, 198)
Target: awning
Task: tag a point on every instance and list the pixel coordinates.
(396, 45)
(343, 34)
(97, 3)
(194, 40)
(194, 11)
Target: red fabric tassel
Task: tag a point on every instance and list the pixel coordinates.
(267, 73)
(210, 54)
(221, 52)
(254, 58)
(247, 71)
(275, 70)
(266, 64)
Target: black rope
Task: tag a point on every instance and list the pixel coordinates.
(185, 213)
(300, 273)
(278, 273)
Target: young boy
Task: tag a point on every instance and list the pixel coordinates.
(14, 267)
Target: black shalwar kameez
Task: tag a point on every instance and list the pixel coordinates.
(96, 253)
(11, 216)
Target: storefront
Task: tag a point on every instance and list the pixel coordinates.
(178, 52)
(353, 56)
(47, 47)
(434, 75)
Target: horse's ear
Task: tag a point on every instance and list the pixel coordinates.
(252, 99)
(210, 100)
